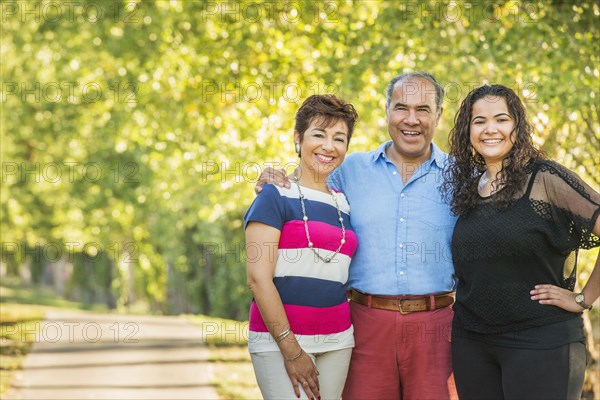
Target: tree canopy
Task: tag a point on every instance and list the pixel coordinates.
(132, 131)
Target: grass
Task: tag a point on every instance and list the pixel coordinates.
(18, 325)
(227, 342)
(43, 296)
(233, 373)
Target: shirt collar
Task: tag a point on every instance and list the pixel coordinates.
(380, 151)
(437, 155)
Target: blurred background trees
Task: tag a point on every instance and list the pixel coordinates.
(132, 131)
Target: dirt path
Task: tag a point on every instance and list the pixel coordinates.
(96, 356)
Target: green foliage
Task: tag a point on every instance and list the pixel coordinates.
(160, 114)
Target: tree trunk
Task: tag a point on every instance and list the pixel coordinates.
(207, 278)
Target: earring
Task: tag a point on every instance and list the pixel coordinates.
(297, 147)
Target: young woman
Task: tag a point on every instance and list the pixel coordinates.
(517, 329)
(299, 244)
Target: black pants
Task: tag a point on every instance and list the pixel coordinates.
(483, 371)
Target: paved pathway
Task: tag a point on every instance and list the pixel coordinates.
(99, 356)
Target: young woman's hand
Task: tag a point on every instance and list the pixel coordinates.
(556, 296)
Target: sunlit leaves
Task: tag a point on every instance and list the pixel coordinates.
(181, 104)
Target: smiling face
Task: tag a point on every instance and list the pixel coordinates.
(412, 117)
(322, 149)
(491, 130)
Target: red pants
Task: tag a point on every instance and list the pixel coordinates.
(400, 356)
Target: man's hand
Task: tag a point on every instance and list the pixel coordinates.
(273, 176)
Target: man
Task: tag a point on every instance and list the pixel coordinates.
(401, 277)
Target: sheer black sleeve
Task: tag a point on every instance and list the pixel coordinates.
(558, 194)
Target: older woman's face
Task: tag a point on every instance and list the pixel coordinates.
(491, 129)
(323, 148)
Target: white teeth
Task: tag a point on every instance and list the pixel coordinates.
(324, 158)
(410, 133)
(492, 141)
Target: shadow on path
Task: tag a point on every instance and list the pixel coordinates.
(99, 356)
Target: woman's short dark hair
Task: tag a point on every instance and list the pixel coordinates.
(329, 109)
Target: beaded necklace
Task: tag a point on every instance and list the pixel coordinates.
(305, 219)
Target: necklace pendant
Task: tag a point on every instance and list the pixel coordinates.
(328, 259)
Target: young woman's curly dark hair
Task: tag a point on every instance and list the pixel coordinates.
(466, 165)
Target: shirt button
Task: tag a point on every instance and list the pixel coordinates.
(401, 245)
(401, 273)
(394, 173)
(401, 219)
(402, 195)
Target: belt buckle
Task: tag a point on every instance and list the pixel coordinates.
(400, 302)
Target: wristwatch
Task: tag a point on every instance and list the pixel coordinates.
(580, 299)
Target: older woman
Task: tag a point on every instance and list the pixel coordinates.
(299, 244)
(517, 330)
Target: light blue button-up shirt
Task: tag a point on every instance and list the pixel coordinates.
(404, 230)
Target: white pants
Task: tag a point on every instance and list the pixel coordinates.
(274, 382)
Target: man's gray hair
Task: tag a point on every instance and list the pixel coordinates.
(439, 90)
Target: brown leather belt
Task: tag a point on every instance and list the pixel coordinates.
(404, 304)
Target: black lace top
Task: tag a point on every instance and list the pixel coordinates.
(499, 256)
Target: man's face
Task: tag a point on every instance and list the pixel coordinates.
(412, 118)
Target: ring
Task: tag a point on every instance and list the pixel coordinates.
(305, 383)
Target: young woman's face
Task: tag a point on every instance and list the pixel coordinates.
(491, 129)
